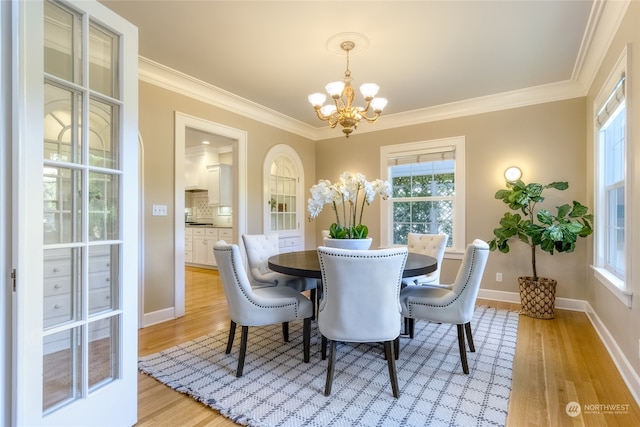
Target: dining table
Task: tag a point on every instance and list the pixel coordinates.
(307, 264)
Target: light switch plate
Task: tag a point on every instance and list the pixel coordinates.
(159, 210)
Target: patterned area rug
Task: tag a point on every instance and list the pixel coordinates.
(278, 389)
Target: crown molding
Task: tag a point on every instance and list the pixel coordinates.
(604, 20)
(160, 75)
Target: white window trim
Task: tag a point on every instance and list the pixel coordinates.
(617, 286)
(458, 142)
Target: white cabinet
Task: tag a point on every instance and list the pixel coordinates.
(199, 254)
(203, 240)
(284, 197)
(220, 185)
(196, 160)
(188, 245)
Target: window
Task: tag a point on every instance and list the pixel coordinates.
(610, 119)
(428, 191)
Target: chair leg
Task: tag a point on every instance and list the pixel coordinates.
(285, 331)
(243, 350)
(314, 298)
(323, 347)
(396, 347)
(332, 357)
(306, 338)
(467, 328)
(406, 325)
(412, 327)
(392, 369)
(232, 334)
(463, 349)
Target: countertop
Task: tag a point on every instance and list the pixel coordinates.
(205, 225)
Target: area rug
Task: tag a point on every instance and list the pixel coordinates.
(278, 389)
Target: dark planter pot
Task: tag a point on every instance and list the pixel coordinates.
(538, 298)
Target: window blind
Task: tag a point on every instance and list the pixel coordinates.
(612, 103)
(445, 153)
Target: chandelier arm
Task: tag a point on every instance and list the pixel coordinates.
(371, 119)
(320, 115)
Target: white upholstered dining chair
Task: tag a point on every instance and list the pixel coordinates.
(433, 245)
(360, 301)
(258, 307)
(454, 304)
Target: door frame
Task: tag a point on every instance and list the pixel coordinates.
(182, 122)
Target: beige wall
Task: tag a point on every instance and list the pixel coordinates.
(156, 126)
(622, 322)
(547, 141)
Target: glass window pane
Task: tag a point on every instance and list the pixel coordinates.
(62, 367)
(103, 278)
(103, 206)
(103, 57)
(62, 205)
(62, 49)
(104, 352)
(62, 274)
(62, 109)
(103, 147)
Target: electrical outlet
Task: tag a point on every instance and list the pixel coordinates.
(498, 277)
(159, 210)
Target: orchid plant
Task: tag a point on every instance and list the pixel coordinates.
(349, 195)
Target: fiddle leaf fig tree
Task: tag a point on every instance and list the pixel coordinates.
(541, 228)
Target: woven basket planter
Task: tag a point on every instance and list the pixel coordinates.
(538, 298)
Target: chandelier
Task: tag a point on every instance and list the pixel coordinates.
(343, 111)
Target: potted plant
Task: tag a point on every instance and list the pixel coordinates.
(348, 196)
(539, 228)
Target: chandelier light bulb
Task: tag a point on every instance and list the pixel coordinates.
(378, 104)
(317, 99)
(334, 89)
(328, 109)
(369, 90)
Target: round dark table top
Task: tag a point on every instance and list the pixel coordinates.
(307, 264)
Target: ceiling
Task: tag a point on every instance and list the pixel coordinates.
(421, 53)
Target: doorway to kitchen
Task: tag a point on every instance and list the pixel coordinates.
(188, 131)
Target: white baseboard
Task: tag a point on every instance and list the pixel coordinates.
(158, 316)
(514, 297)
(629, 375)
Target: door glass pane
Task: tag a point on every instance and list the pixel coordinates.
(62, 117)
(103, 54)
(62, 291)
(62, 51)
(103, 206)
(102, 134)
(62, 364)
(283, 183)
(103, 278)
(103, 351)
(62, 205)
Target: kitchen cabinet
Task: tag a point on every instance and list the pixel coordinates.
(195, 166)
(284, 197)
(220, 185)
(203, 240)
(188, 245)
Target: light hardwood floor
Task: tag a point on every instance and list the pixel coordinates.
(557, 361)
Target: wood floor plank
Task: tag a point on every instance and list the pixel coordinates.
(556, 362)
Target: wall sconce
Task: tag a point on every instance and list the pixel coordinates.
(512, 174)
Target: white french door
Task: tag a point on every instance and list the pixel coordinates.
(75, 215)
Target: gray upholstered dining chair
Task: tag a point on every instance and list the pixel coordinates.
(454, 304)
(360, 301)
(258, 307)
(259, 248)
(432, 245)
